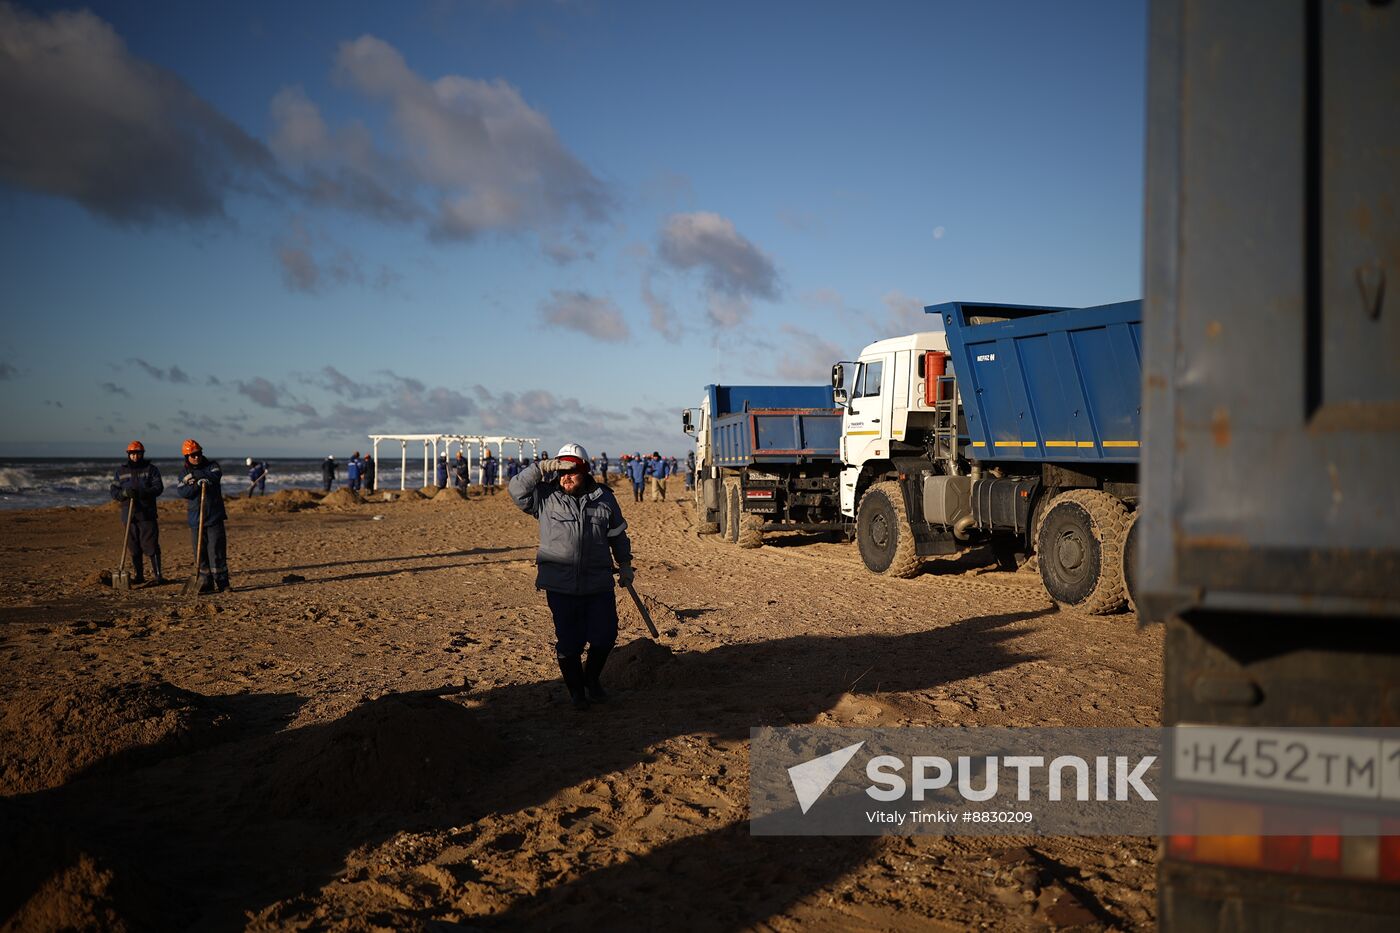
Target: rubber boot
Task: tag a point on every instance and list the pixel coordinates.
(597, 657)
(138, 570)
(221, 584)
(206, 582)
(572, 669)
(157, 578)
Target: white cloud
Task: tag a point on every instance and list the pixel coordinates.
(599, 318)
(734, 269)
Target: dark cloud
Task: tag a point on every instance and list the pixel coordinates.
(112, 388)
(395, 403)
(333, 380)
(212, 381)
(299, 270)
(599, 318)
(173, 374)
(311, 263)
(261, 391)
(734, 270)
(192, 425)
(7, 371)
(84, 119)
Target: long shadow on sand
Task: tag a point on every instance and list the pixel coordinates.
(201, 840)
(369, 574)
(468, 552)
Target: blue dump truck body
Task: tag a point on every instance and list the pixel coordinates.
(773, 424)
(1048, 384)
(767, 459)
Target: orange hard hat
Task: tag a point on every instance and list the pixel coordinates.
(191, 446)
(136, 447)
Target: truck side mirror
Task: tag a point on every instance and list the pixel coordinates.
(687, 425)
(838, 385)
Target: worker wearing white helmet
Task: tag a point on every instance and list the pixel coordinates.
(257, 476)
(581, 532)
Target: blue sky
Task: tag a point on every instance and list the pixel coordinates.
(278, 230)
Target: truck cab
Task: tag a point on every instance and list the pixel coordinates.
(888, 407)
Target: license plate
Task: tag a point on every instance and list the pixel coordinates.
(1289, 760)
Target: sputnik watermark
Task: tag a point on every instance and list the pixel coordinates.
(812, 781)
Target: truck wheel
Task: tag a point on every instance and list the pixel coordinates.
(702, 523)
(883, 534)
(1130, 546)
(729, 520)
(750, 530)
(1080, 545)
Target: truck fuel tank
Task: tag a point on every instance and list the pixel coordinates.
(946, 498)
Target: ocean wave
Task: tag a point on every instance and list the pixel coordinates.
(15, 480)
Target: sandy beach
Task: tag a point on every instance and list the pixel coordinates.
(370, 733)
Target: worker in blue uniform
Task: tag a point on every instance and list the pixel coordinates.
(200, 480)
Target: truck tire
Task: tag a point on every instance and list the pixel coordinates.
(1130, 546)
(750, 530)
(1080, 545)
(729, 519)
(883, 534)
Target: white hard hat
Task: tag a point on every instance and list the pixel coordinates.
(573, 450)
(250, 461)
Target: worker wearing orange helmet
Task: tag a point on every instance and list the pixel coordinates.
(199, 475)
(137, 485)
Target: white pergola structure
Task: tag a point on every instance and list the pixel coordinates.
(467, 443)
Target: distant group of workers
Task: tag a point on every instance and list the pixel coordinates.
(359, 472)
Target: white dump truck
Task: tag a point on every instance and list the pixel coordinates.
(1014, 426)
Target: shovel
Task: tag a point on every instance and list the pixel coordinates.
(121, 577)
(192, 584)
(646, 616)
(254, 484)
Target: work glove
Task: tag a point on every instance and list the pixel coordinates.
(187, 479)
(625, 575)
(202, 483)
(556, 465)
(128, 494)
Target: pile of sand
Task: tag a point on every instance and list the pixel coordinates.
(403, 753)
(427, 492)
(639, 663)
(401, 495)
(450, 496)
(342, 498)
(286, 500)
(46, 739)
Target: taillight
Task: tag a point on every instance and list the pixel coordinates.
(759, 493)
(1228, 832)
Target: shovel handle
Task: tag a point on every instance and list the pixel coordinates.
(199, 535)
(646, 616)
(126, 534)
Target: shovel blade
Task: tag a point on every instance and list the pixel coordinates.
(191, 586)
(121, 579)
